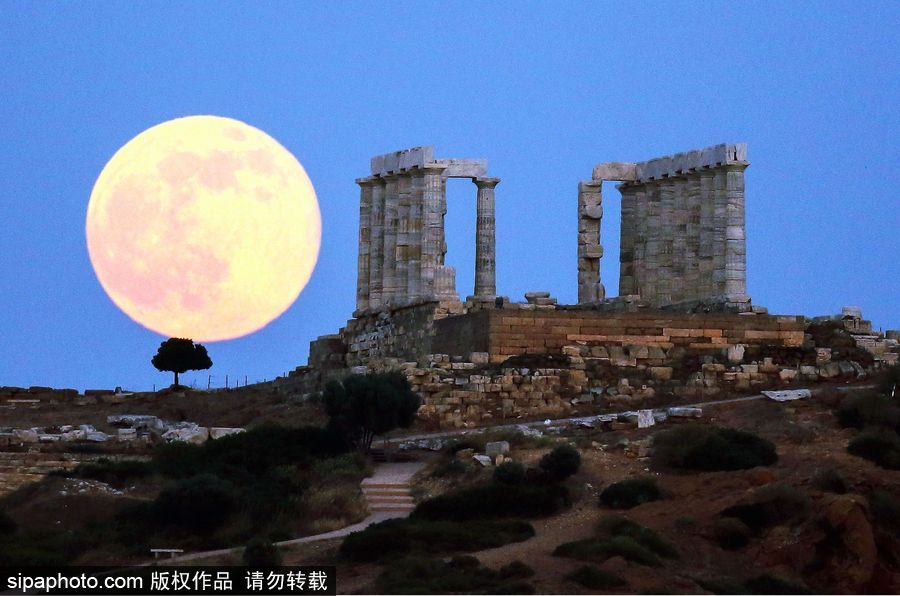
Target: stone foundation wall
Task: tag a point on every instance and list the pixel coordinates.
(18, 468)
(503, 333)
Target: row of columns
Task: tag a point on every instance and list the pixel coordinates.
(682, 237)
(402, 242)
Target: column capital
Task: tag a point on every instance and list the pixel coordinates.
(367, 181)
(485, 182)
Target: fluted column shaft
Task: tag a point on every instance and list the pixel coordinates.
(432, 226)
(391, 225)
(365, 235)
(485, 239)
(376, 247)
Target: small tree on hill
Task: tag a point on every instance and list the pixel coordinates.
(362, 406)
(180, 355)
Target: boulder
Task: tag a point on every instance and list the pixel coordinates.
(217, 432)
(661, 373)
(187, 433)
(136, 421)
(483, 460)
(96, 437)
(684, 412)
(495, 448)
(853, 552)
(26, 435)
(736, 354)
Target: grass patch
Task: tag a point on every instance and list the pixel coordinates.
(591, 577)
(880, 446)
(399, 537)
(630, 493)
(710, 448)
(494, 501)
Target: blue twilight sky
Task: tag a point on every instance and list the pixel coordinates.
(543, 90)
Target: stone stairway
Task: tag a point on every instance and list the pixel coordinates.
(388, 490)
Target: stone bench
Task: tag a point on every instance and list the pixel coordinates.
(172, 552)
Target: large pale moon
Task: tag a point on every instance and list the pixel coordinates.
(203, 227)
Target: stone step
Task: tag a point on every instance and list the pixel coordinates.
(384, 491)
(399, 507)
(396, 486)
(390, 499)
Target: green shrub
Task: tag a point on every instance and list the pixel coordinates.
(710, 448)
(830, 480)
(461, 575)
(516, 570)
(597, 549)
(621, 537)
(770, 584)
(115, 473)
(630, 493)
(886, 511)
(399, 537)
(591, 577)
(731, 533)
(496, 500)
(769, 506)
(7, 524)
(261, 554)
(201, 503)
(451, 467)
(889, 381)
(880, 446)
(511, 473)
(616, 525)
(561, 462)
(869, 409)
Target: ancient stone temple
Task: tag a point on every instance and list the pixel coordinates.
(401, 230)
(682, 228)
(682, 326)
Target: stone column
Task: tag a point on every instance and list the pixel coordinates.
(365, 232)
(404, 181)
(693, 283)
(432, 226)
(735, 241)
(391, 208)
(485, 240)
(376, 247)
(414, 231)
(720, 212)
(590, 212)
(707, 234)
(627, 240)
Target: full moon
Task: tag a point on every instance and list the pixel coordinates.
(203, 227)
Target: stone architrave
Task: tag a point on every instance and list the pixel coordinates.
(485, 240)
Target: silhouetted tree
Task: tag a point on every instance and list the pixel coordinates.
(179, 355)
(362, 406)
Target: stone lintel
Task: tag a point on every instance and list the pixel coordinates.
(464, 168)
(615, 170)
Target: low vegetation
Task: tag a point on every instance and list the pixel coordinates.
(594, 578)
(878, 445)
(263, 482)
(562, 461)
(731, 533)
(769, 506)
(831, 481)
(461, 575)
(710, 448)
(620, 537)
(867, 410)
(761, 584)
(261, 553)
(630, 493)
(494, 501)
(400, 537)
